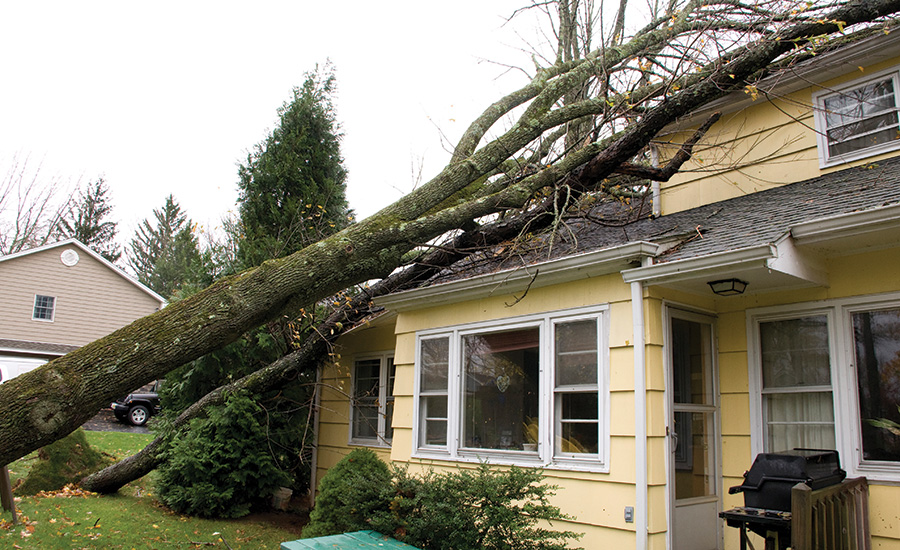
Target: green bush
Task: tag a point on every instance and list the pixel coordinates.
(480, 508)
(355, 489)
(62, 462)
(222, 465)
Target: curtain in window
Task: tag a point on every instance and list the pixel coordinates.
(797, 396)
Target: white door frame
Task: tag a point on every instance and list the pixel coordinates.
(675, 311)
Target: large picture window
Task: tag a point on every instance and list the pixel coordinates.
(829, 378)
(532, 390)
(876, 343)
(373, 400)
(858, 120)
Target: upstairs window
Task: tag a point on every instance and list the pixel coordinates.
(43, 308)
(858, 120)
(531, 390)
(373, 400)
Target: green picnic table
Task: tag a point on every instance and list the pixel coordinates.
(358, 539)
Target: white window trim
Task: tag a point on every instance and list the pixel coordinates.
(383, 381)
(546, 457)
(818, 98)
(52, 311)
(848, 435)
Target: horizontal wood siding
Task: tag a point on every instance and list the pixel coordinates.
(92, 300)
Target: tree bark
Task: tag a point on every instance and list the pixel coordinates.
(46, 404)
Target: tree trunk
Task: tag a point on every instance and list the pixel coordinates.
(44, 405)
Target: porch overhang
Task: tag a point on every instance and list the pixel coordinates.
(797, 259)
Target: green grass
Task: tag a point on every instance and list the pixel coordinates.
(131, 519)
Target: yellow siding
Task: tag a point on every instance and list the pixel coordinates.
(598, 500)
(767, 144)
(334, 391)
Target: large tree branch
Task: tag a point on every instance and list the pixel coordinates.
(47, 403)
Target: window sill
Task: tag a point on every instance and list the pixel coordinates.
(515, 458)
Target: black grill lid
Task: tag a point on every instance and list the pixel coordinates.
(767, 484)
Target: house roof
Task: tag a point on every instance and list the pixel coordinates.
(34, 348)
(774, 238)
(78, 244)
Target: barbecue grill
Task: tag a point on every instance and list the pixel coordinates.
(767, 491)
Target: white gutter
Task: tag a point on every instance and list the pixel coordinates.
(850, 225)
(569, 268)
(640, 418)
(698, 266)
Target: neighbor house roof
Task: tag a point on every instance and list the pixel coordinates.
(78, 244)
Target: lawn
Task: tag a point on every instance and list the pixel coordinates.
(131, 519)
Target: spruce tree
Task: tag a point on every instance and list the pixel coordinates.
(87, 220)
(165, 255)
(292, 188)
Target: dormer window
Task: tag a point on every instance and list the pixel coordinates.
(858, 120)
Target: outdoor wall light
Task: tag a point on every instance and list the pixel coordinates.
(728, 287)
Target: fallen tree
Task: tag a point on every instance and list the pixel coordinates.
(485, 177)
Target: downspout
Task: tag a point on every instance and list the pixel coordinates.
(314, 460)
(656, 207)
(640, 418)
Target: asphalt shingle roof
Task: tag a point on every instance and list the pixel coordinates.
(742, 222)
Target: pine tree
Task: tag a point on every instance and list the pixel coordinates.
(165, 256)
(292, 188)
(87, 220)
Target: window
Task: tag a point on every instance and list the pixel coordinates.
(373, 400)
(531, 390)
(859, 120)
(829, 378)
(796, 384)
(43, 308)
(876, 347)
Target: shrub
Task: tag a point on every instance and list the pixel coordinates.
(222, 466)
(62, 462)
(355, 489)
(481, 508)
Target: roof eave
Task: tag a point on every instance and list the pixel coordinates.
(562, 270)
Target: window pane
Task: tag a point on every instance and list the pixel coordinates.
(691, 362)
(435, 358)
(500, 387)
(579, 406)
(365, 421)
(695, 457)
(368, 375)
(795, 352)
(580, 437)
(576, 353)
(804, 420)
(433, 412)
(436, 432)
(876, 336)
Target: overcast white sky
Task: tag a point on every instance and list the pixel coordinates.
(167, 97)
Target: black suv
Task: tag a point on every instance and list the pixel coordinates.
(139, 406)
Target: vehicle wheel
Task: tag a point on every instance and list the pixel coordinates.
(138, 415)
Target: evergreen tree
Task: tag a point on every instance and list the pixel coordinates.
(165, 256)
(87, 220)
(292, 188)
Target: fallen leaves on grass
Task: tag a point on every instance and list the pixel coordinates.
(69, 491)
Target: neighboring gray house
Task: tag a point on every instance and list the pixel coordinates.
(58, 297)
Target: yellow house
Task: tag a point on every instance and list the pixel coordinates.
(641, 388)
